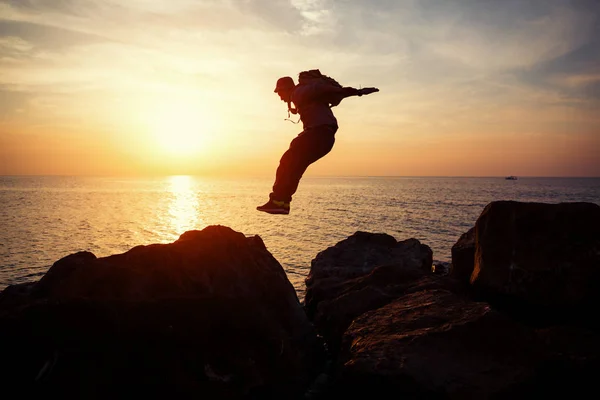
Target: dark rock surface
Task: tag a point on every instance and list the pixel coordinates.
(360, 273)
(211, 315)
(437, 344)
(463, 256)
(357, 256)
(394, 327)
(540, 260)
(214, 316)
(434, 343)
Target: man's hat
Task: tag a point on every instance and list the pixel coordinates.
(285, 82)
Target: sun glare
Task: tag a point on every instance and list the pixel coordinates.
(181, 128)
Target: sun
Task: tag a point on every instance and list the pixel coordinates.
(181, 128)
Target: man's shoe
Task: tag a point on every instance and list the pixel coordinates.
(275, 207)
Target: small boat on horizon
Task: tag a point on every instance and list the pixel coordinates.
(511, 178)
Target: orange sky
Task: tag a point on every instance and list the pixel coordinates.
(186, 87)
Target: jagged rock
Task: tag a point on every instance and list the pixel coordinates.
(211, 315)
(540, 257)
(361, 273)
(435, 344)
(393, 326)
(359, 295)
(357, 256)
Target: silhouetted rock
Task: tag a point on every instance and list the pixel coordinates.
(435, 344)
(540, 259)
(441, 267)
(212, 315)
(363, 273)
(357, 256)
(15, 295)
(463, 256)
(393, 326)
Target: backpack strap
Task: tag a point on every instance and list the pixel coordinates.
(293, 111)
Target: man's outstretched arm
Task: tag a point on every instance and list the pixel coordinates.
(350, 91)
(338, 94)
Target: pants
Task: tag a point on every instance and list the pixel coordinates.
(305, 149)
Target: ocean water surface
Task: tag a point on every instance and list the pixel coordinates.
(43, 219)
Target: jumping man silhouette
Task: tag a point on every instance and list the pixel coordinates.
(313, 101)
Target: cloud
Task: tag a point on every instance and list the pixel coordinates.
(10, 45)
(11, 102)
(575, 73)
(45, 37)
(60, 6)
(280, 15)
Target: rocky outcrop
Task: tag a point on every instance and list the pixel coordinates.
(361, 273)
(211, 315)
(397, 328)
(357, 256)
(435, 343)
(539, 260)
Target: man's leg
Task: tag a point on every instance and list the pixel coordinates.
(304, 150)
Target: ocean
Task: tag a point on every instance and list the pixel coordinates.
(43, 219)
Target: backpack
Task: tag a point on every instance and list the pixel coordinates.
(313, 75)
(310, 76)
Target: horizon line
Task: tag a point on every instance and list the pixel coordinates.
(265, 176)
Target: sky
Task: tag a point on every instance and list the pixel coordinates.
(153, 87)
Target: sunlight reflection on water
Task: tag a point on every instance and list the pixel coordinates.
(183, 210)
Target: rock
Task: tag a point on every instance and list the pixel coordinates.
(383, 285)
(364, 272)
(393, 326)
(463, 256)
(15, 295)
(432, 343)
(357, 256)
(540, 259)
(435, 344)
(441, 267)
(211, 315)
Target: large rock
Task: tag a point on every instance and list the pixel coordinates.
(357, 256)
(395, 329)
(211, 315)
(435, 344)
(540, 256)
(359, 295)
(361, 273)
